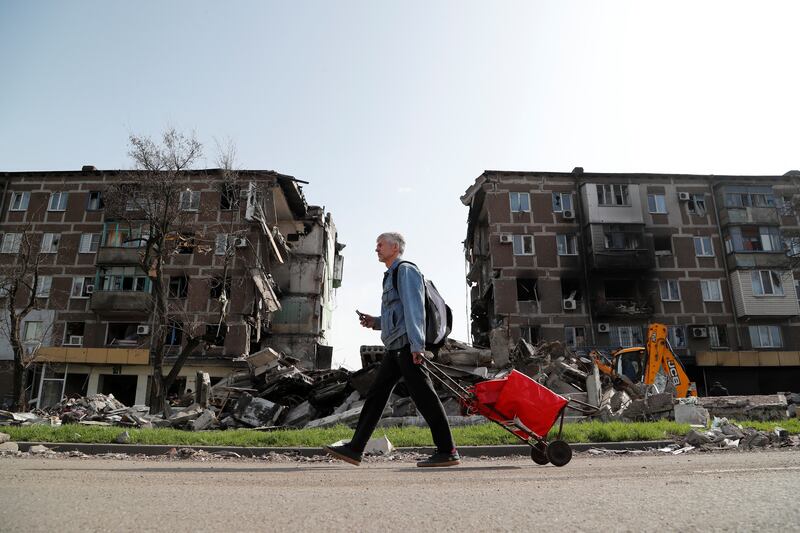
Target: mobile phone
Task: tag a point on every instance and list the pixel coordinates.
(360, 314)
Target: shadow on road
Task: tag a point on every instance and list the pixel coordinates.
(227, 469)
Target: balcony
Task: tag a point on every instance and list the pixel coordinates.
(119, 303)
(745, 260)
(117, 255)
(767, 216)
(107, 356)
(620, 259)
(636, 308)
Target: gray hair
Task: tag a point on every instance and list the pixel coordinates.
(393, 238)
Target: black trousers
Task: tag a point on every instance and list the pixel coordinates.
(397, 364)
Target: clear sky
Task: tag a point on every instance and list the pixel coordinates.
(392, 109)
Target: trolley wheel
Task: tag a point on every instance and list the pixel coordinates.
(539, 455)
(559, 453)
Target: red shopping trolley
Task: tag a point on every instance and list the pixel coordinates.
(521, 406)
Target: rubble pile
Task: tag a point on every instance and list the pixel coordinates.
(725, 435)
(276, 391)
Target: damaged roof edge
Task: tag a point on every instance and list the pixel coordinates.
(294, 195)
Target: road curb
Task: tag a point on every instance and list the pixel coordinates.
(466, 451)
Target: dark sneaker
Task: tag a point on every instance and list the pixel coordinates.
(345, 453)
(442, 459)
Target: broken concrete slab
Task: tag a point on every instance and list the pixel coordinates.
(206, 420)
(763, 407)
(253, 411)
(39, 449)
(262, 358)
(202, 391)
(186, 415)
(9, 447)
(4, 437)
(123, 438)
(299, 415)
(691, 414)
(348, 417)
(378, 446)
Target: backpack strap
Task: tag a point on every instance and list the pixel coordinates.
(396, 272)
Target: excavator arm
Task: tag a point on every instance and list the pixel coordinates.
(660, 357)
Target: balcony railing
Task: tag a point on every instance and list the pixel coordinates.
(121, 302)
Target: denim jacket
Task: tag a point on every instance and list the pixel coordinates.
(403, 307)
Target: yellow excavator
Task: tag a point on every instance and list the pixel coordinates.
(655, 366)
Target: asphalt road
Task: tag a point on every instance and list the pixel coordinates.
(698, 491)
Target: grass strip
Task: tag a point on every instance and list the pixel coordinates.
(478, 435)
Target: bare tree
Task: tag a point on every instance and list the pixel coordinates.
(20, 283)
(153, 202)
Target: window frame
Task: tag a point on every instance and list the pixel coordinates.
(566, 239)
(662, 283)
(52, 240)
(519, 197)
(654, 208)
(704, 291)
(61, 204)
(99, 200)
(518, 243)
(560, 207)
(703, 252)
(697, 204)
(714, 339)
(80, 281)
(672, 335)
(43, 286)
(575, 336)
(772, 276)
(609, 193)
(93, 240)
(11, 243)
(771, 332)
(24, 198)
(194, 200)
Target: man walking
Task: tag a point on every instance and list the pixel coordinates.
(402, 326)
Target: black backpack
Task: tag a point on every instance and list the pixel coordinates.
(438, 315)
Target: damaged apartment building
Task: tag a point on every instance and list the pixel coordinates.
(591, 258)
(254, 248)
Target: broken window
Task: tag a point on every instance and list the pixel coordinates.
(766, 283)
(215, 334)
(520, 202)
(753, 239)
(50, 243)
(523, 244)
(662, 244)
(228, 196)
(95, 201)
(567, 244)
(526, 290)
(571, 289)
(575, 336)
(122, 334)
(619, 289)
(123, 279)
(676, 336)
(626, 336)
(696, 204)
(617, 238)
(562, 201)
(529, 333)
(217, 287)
(749, 197)
(718, 336)
(178, 286)
(174, 334)
(124, 235)
(73, 333)
(612, 194)
(185, 244)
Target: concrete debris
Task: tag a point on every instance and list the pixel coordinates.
(123, 438)
(764, 408)
(9, 447)
(689, 413)
(255, 412)
(4, 437)
(39, 449)
(378, 446)
(724, 435)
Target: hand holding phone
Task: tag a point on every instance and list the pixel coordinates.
(365, 320)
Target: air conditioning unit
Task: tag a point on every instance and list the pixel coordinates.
(568, 214)
(241, 242)
(506, 238)
(603, 327)
(684, 196)
(699, 332)
(76, 340)
(142, 329)
(569, 305)
(89, 289)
